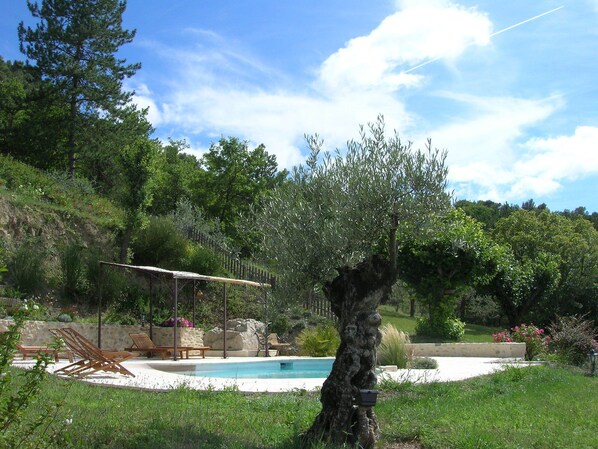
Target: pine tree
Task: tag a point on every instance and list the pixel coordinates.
(74, 47)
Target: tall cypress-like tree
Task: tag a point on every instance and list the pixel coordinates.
(74, 46)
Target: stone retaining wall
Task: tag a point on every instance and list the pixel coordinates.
(501, 350)
(114, 336)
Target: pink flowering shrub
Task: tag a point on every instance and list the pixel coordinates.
(182, 322)
(536, 341)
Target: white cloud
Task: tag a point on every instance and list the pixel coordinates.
(218, 86)
(539, 171)
(484, 153)
(279, 120)
(143, 99)
(563, 157)
(490, 127)
(419, 32)
(223, 90)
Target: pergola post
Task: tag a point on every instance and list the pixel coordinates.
(194, 298)
(151, 308)
(266, 330)
(225, 318)
(176, 318)
(100, 308)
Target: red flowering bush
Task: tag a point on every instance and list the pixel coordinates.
(536, 341)
(181, 322)
(502, 336)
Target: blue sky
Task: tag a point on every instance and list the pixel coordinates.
(509, 88)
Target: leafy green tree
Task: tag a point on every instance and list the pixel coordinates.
(136, 163)
(105, 137)
(235, 178)
(335, 225)
(519, 285)
(547, 266)
(31, 121)
(573, 246)
(582, 212)
(176, 173)
(486, 212)
(13, 93)
(74, 46)
(438, 263)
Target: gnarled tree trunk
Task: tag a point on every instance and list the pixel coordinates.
(354, 295)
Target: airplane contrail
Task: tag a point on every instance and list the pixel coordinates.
(430, 61)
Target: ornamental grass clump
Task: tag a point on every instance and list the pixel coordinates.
(535, 339)
(320, 341)
(392, 350)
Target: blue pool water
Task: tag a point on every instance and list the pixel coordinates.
(286, 369)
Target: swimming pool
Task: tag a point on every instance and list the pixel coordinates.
(271, 369)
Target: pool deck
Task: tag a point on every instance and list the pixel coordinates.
(148, 378)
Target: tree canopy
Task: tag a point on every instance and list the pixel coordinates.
(549, 266)
(74, 46)
(338, 209)
(235, 178)
(452, 253)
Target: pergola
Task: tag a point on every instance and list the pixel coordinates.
(174, 278)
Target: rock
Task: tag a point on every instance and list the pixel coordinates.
(240, 335)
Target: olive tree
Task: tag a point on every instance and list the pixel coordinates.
(335, 225)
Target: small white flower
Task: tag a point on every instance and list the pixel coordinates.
(68, 421)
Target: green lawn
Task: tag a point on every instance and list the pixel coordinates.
(473, 333)
(537, 407)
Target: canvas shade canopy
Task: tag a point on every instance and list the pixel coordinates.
(174, 278)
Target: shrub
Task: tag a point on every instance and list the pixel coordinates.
(450, 328)
(320, 341)
(72, 271)
(200, 260)
(108, 281)
(280, 325)
(572, 339)
(64, 318)
(114, 317)
(160, 244)
(483, 310)
(392, 348)
(536, 341)
(75, 186)
(181, 322)
(25, 267)
(19, 393)
(424, 363)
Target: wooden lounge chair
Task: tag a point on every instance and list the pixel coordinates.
(26, 350)
(143, 343)
(92, 358)
(274, 343)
